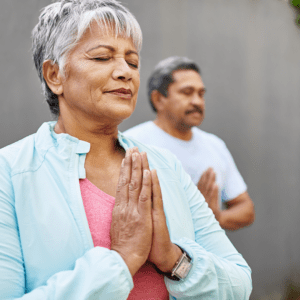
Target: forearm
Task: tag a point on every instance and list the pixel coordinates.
(237, 216)
(100, 274)
(211, 276)
(218, 270)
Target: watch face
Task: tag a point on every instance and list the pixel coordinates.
(184, 268)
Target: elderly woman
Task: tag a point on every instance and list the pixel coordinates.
(81, 214)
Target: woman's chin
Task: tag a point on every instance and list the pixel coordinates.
(123, 117)
(123, 112)
(117, 116)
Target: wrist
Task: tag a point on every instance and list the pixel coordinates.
(181, 267)
(170, 260)
(218, 214)
(133, 262)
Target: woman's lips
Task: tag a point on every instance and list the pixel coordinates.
(122, 93)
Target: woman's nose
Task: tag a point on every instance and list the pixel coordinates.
(122, 71)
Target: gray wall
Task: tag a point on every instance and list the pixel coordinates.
(248, 51)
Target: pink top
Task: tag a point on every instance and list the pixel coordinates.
(148, 284)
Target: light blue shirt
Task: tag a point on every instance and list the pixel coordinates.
(46, 248)
(204, 150)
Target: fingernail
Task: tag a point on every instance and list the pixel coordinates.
(123, 162)
(134, 156)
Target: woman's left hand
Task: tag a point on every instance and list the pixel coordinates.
(163, 253)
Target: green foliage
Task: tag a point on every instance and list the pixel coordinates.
(296, 3)
(298, 20)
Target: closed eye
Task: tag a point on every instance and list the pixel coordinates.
(101, 58)
(133, 65)
(187, 91)
(202, 93)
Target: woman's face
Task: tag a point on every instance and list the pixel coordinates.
(102, 77)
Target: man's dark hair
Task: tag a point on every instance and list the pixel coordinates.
(162, 75)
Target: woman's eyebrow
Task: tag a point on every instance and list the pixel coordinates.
(112, 49)
(102, 46)
(132, 52)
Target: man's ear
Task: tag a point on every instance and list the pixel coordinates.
(53, 77)
(158, 100)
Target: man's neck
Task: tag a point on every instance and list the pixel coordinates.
(182, 134)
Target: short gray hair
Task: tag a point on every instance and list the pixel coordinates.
(162, 75)
(62, 24)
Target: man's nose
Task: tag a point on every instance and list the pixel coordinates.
(197, 99)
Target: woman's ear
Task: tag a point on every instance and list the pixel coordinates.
(158, 100)
(53, 77)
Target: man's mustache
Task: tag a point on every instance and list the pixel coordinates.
(196, 109)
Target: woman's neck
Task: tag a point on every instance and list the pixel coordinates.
(102, 138)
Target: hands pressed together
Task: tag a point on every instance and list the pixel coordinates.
(139, 231)
(240, 210)
(210, 190)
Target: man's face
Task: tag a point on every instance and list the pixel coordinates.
(185, 104)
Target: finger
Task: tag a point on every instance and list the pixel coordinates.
(212, 175)
(215, 193)
(210, 181)
(136, 178)
(208, 174)
(145, 163)
(144, 205)
(203, 181)
(135, 149)
(156, 192)
(124, 179)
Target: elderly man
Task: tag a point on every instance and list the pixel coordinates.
(176, 92)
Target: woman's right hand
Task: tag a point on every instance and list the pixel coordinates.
(131, 228)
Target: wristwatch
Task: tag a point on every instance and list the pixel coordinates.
(182, 267)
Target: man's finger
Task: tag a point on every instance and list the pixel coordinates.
(211, 176)
(202, 185)
(211, 179)
(215, 192)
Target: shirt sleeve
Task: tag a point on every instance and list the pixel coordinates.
(99, 274)
(218, 270)
(234, 184)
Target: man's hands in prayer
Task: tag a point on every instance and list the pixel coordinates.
(209, 189)
(240, 210)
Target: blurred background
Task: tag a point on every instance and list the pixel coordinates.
(249, 55)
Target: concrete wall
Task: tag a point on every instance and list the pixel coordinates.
(248, 51)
